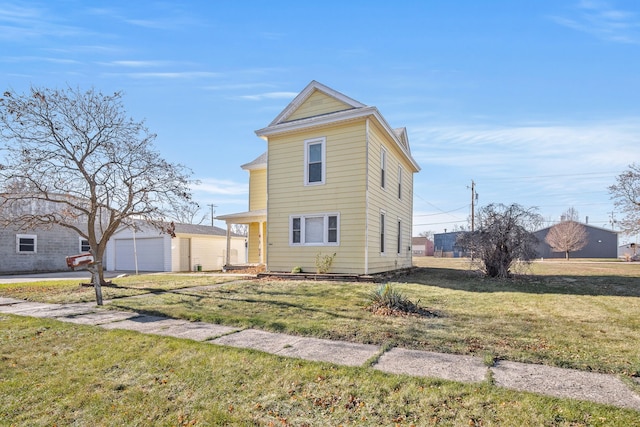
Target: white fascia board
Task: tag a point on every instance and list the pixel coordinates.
(306, 93)
(341, 116)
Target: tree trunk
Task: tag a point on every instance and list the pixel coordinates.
(566, 256)
(96, 272)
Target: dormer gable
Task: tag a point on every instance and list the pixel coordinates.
(316, 100)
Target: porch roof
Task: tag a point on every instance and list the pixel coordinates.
(244, 217)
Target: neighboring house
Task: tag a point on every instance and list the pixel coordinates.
(195, 247)
(602, 243)
(38, 250)
(336, 179)
(421, 246)
(629, 251)
(445, 246)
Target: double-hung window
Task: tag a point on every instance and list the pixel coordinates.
(400, 182)
(383, 167)
(382, 215)
(26, 243)
(314, 230)
(84, 245)
(314, 161)
(399, 248)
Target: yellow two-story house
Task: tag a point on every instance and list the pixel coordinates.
(336, 179)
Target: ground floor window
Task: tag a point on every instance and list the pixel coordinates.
(314, 229)
(84, 245)
(26, 243)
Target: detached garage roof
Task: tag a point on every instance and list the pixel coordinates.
(200, 229)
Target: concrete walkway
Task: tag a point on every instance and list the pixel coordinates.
(546, 380)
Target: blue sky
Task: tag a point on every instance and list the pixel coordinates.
(536, 101)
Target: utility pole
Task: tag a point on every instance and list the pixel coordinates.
(213, 212)
(474, 198)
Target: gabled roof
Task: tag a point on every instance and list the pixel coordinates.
(259, 163)
(353, 110)
(583, 224)
(306, 93)
(199, 229)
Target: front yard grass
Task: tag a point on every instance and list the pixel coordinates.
(582, 315)
(55, 373)
(69, 291)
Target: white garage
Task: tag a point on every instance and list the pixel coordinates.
(194, 247)
(149, 254)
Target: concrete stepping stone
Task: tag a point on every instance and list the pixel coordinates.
(98, 317)
(32, 309)
(197, 331)
(565, 383)
(320, 350)
(9, 301)
(428, 364)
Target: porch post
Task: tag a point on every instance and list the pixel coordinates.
(228, 260)
(262, 246)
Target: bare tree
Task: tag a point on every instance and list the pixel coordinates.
(428, 234)
(504, 235)
(567, 236)
(626, 195)
(240, 229)
(186, 213)
(79, 153)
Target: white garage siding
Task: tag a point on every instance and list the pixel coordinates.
(149, 251)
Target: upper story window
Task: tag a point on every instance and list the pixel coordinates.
(26, 243)
(314, 230)
(314, 161)
(382, 217)
(383, 167)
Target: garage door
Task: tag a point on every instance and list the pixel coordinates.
(150, 254)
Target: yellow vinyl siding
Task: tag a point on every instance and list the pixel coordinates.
(387, 200)
(343, 193)
(257, 189)
(317, 104)
(254, 243)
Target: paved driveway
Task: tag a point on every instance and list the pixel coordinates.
(62, 275)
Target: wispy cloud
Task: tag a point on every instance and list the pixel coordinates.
(270, 95)
(40, 59)
(222, 187)
(170, 75)
(171, 19)
(137, 64)
(20, 22)
(576, 146)
(602, 20)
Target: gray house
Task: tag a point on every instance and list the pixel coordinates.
(602, 243)
(38, 250)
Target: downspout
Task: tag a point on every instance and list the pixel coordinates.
(366, 208)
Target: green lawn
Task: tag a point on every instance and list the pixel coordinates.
(587, 318)
(583, 315)
(55, 373)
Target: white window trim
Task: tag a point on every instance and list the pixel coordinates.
(307, 142)
(80, 239)
(400, 173)
(27, 236)
(383, 168)
(399, 237)
(383, 232)
(325, 237)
